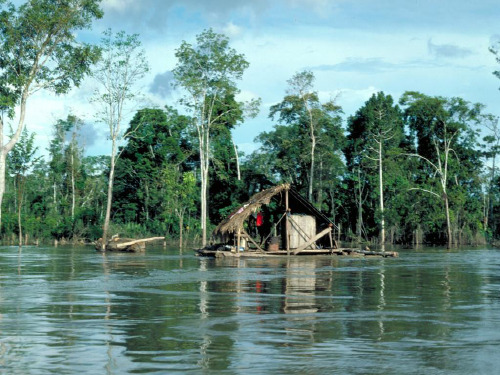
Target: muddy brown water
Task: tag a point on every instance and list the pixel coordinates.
(71, 310)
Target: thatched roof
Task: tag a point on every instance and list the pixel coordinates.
(297, 204)
(238, 217)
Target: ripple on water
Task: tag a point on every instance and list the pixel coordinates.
(70, 310)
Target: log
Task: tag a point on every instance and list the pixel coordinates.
(312, 240)
(126, 244)
(121, 245)
(385, 254)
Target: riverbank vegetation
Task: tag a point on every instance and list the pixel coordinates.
(409, 170)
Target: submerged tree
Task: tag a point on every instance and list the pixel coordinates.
(208, 72)
(377, 130)
(65, 155)
(180, 192)
(492, 146)
(123, 65)
(21, 159)
(445, 136)
(39, 51)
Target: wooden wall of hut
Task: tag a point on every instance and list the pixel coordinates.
(302, 229)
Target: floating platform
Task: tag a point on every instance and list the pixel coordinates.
(221, 253)
(291, 226)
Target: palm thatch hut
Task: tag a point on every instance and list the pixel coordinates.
(278, 221)
(288, 223)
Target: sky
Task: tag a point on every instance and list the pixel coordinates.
(355, 48)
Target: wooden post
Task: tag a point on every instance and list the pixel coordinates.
(330, 235)
(238, 242)
(252, 240)
(287, 229)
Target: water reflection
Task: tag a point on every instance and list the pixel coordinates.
(71, 310)
(300, 287)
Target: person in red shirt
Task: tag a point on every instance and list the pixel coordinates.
(259, 223)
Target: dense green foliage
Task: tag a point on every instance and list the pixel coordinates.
(39, 51)
(419, 170)
(431, 152)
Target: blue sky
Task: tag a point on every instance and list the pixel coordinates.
(355, 48)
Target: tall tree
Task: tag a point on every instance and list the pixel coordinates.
(180, 192)
(492, 145)
(300, 87)
(65, 156)
(57, 163)
(377, 130)
(494, 138)
(302, 107)
(308, 130)
(123, 65)
(444, 131)
(207, 72)
(39, 51)
(20, 160)
(73, 157)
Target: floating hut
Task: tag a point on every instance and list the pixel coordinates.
(278, 221)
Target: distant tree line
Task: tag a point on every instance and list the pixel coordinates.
(420, 169)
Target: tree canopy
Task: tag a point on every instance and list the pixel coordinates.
(415, 169)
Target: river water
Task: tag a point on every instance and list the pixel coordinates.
(72, 310)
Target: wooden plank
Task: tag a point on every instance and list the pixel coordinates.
(252, 240)
(298, 234)
(312, 240)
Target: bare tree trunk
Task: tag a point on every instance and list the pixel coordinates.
(486, 210)
(2, 181)
(360, 208)
(313, 150)
(448, 222)
(73, 198)
(110, 194)
(54, 196)
(237, 160)
(381, 192)
(181, 227)
(146, 203)
(5, 149)
(320, 187)
(203, 135)
(19, 222)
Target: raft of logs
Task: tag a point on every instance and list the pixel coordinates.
(219, 252)
(128, 245)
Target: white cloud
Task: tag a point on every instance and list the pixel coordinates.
(116, 5)
(246, 95)
(320, 7)
(451, 51)
(354, 48)
(232, 30)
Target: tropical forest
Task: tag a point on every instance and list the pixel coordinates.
(414, 169)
